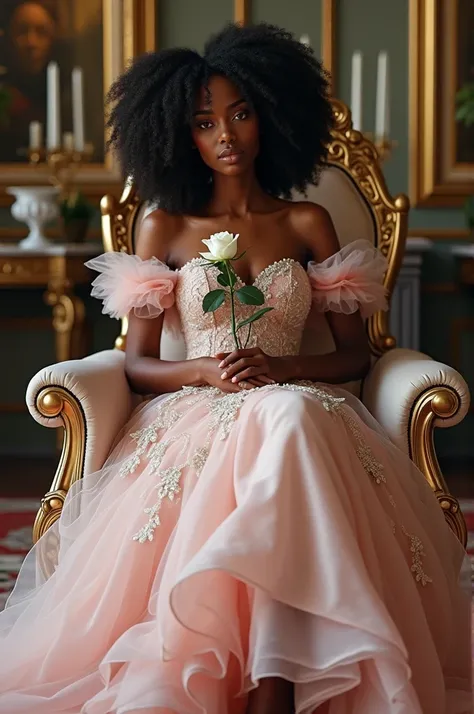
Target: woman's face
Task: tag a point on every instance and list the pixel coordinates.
(32, 33)
(225, 128)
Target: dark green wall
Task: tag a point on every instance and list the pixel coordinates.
(366, 25)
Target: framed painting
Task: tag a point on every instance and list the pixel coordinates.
(441, 63)
(97, 36)
(243, 14)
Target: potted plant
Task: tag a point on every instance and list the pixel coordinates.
(76, 214)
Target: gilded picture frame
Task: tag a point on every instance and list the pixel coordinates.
(124, 28)
(243, 14)
(441, 164)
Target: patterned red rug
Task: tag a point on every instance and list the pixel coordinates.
(18, 514)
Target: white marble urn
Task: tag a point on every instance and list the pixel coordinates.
(36, 206)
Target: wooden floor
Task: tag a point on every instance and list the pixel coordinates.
(32, 477)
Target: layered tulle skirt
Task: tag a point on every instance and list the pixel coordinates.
(230, 538)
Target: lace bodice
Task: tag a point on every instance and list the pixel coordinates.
(286, 289)
(349, 280)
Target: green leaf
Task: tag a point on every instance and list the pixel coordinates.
(256, 316)
(223, 280)
(250, 295)
(213, 300)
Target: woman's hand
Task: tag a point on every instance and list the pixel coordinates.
(249, 365)
(211, 374)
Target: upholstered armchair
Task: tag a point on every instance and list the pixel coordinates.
(407, 392)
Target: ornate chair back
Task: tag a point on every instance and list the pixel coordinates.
(352, 188)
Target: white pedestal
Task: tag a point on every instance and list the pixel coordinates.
(405, 305)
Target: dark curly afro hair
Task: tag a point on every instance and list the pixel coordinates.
(153, 103)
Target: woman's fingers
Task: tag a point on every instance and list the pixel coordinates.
(230, 358)
(245, 363)
(247, 373)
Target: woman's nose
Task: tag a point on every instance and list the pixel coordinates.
(227, 136)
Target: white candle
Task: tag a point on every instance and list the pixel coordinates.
(382, 109)
(36, 135)
(356, 91)
(304, 39)
(78, 109)
(53, 129)
(68, 141)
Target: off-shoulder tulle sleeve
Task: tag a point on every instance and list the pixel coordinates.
(350, 280)
(126, 283)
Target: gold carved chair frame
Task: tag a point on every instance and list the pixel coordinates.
(350, 152)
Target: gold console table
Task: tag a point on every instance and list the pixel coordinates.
(58, 269)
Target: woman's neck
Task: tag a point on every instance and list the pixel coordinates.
(237, 196)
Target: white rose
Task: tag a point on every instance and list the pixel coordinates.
(222, 246)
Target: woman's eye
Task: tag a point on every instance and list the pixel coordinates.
(204, 125)
(241, 115)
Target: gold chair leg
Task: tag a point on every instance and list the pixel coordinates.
(436, 403)
(54, 402)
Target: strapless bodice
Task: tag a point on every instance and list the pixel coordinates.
(286, 288)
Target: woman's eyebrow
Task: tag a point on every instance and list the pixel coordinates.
(231, 106)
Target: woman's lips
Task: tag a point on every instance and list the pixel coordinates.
(233, 158)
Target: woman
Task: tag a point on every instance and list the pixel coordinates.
(253, 543)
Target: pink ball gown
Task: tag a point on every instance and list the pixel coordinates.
(231, 537)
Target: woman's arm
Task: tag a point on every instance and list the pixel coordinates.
(351, 358)
(146, 372)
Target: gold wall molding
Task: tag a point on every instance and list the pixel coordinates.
(436, 177)
(328, 40)
(242, 11)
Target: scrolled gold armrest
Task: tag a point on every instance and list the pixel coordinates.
(57, 402)
(435, 403)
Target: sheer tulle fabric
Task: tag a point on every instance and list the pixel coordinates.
(272, 562)
(349, 280)
(277, 552)
(127, 283)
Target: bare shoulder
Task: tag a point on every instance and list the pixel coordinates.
(156, 233)
(313, 225)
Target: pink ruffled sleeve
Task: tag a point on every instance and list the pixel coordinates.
(350, 280)
(126, 283)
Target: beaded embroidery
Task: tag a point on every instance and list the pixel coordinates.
(286, 287)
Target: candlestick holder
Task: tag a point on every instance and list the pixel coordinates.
(61, 163)
(383, 144)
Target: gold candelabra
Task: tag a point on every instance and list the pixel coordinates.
(62, 164)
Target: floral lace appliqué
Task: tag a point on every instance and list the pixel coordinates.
(223, 410)
(376, 471)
